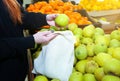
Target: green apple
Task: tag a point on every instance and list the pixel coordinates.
(76, 76)
(77, 40)
(90, 49)
(79, 35)
(86, 40)
(114, 43)
(96, 36)
(101, 40)
(80, 66)
(110, 78)
(62, 28)
(90, 66)
(40, 78)
(36, 54)
(54, 79)
(116, 53)
(62, 20)
(74, 70)
(77, 31)
(99, 31)
(115, 34)
(98, 48)
(72, 26)
(107, 37)
(54, 28)
(110, 50)
(44, 30)
(112, 66)
(81, 52)
(75, 60)
(99, 73)
(88, 31)
(89, 58)
(89, 77)
(101, 58)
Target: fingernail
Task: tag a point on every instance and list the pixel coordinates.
(52, 31)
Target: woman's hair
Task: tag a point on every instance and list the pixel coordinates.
(14, 10)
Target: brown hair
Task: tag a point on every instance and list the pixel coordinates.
(14, 10)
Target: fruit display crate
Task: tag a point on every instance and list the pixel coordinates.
(108, 28)
(111, 15)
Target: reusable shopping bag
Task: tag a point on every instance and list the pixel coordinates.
(57, 57)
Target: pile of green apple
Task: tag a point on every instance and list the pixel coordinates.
(97, 54)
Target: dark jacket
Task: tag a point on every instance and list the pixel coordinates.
(13, 44)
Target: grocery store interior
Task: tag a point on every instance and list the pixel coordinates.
(95, 25)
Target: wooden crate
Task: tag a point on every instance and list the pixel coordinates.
(111, 15)
(108, 28)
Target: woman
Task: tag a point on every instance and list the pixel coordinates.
(13, 44)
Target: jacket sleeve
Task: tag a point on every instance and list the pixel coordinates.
(33, 20)
(9, 47)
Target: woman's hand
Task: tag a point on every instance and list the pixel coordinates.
(50, 19)
(44, 37)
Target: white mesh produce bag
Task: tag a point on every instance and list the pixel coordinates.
(57, 57)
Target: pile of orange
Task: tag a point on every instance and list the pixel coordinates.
(58, 6)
